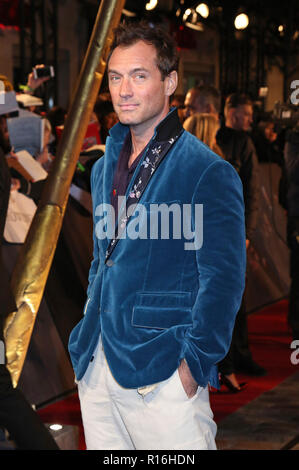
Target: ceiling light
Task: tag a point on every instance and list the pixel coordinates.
(194, 17)
(186, 14)
(151, 4)
(197, 26)
(56, 427)
(203, 10)
(241, 21)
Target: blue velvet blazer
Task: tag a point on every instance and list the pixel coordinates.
(155, 302)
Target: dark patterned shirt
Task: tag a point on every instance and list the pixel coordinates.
(123, 172)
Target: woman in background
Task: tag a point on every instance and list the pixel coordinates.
(205, 127)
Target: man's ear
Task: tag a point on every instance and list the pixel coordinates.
(233, 116)
(171, 83)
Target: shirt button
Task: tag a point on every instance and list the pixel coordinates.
(109, 263)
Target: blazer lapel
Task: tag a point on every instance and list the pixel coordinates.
(169, 130)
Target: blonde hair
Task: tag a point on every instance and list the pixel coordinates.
(204, 126)
(6, 83)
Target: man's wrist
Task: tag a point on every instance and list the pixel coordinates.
(26, 89)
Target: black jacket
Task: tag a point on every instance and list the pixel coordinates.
(239, 150)
(291, 155)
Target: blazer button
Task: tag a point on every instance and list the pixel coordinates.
(109, 263)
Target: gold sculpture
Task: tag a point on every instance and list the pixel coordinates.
(33, 265)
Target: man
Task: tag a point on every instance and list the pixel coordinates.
(14, 408)
(238, 112)
(202, 99)
(159, 316)
(239, 150)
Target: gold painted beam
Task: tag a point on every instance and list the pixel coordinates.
(33, 265)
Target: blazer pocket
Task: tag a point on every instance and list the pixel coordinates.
(162, 310)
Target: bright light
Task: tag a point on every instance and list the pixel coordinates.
(55, 427)
(241, 21)
(194, 17)
(151, 4)
(186, 14)
(128, 13)
(280, 28)
(296, 35)
(197, 26)
(203, 10)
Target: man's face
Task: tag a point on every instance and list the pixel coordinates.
(192, 104)
(270, 133)
(242, 117)
(139, 96)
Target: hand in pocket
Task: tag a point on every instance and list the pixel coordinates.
(189, 384)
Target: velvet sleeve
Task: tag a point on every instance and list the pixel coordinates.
(221, 263)
(95, 261)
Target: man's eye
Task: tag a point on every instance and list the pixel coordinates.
(140, 76)
(114, 78)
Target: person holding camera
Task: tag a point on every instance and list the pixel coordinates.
(16, 415)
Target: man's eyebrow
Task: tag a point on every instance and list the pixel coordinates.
(113, 71)
(136, 69)
(139, 69)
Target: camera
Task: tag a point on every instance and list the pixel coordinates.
(41, 72)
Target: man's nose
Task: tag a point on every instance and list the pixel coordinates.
(125, 88)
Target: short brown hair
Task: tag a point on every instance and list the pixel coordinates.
(237, 99)
(128, 34)
(208, 94)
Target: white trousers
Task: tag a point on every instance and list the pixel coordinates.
(152, 418)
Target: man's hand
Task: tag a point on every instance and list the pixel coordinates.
(12, 154)
(188, 382)
(15, 184)
(34, 83)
